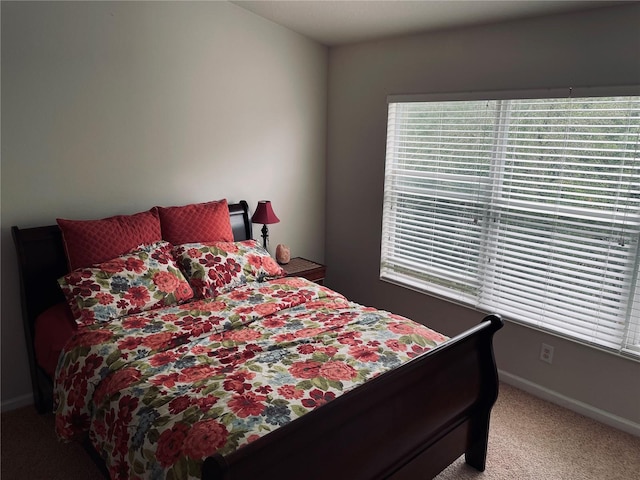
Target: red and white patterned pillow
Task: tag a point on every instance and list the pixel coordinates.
(217, 267)
(143, 279)
(88, 242)
(197, 222)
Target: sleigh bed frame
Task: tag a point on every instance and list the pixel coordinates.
(409, 423)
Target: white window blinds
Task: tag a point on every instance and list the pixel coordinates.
(530, 208)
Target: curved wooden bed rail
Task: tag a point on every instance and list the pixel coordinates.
(409, 423)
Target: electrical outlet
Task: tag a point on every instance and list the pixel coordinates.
(546, 353)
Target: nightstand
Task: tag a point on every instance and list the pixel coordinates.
(301, 267)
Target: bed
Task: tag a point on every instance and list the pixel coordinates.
(393, 400)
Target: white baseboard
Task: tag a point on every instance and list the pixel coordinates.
(570, 403)
(18, 402)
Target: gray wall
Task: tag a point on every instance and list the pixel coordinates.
(594, 48)
(111, 108)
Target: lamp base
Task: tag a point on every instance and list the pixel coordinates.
(265, 236)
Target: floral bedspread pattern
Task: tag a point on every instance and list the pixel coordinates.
(157, 392)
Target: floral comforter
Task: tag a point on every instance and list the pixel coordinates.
(160, 391)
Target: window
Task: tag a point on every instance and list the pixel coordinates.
(526, 207)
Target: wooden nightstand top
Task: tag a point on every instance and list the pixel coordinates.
(301, 267)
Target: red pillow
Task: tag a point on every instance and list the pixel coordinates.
(88, 242)
(197, 222)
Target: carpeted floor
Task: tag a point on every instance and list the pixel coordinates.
(529, 439)
(30, 450)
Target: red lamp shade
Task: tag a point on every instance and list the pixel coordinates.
(264, 213)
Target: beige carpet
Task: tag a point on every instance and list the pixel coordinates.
(529, 439)
(534, 439)
(30, 450)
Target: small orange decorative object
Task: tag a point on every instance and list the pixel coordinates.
(283, 254)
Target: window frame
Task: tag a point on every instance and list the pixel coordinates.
(632, 327)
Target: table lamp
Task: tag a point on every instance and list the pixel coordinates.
(264, 214)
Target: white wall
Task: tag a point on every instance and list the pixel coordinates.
(113, 107)
(595, 48)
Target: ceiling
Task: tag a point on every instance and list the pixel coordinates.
(339, 22)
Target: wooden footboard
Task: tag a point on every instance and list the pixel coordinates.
(409, 423)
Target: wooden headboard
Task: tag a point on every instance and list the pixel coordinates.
(42, 260)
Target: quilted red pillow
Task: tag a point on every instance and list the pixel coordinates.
(88, 242)
(197, 222)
